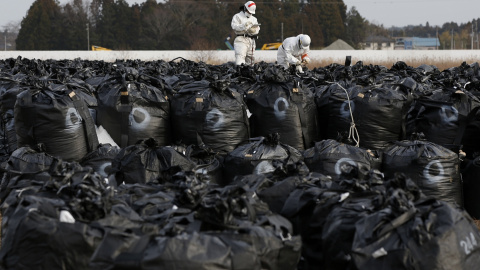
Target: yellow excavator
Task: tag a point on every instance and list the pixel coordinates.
(98, 48)
(271, 46)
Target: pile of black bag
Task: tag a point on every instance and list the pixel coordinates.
(184, 165)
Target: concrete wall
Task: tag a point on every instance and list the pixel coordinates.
(217, 57)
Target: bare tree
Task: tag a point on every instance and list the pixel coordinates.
(160, 23)
(9, 35)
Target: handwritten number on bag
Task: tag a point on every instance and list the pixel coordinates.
(469, 243)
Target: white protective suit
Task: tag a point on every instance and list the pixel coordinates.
(246, 29)
(291, 52)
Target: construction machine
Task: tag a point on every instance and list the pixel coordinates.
(98, 48)
(271, 46)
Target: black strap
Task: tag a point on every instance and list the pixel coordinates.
(463, 125)
(397, 222)
(199, 103)
(88, 125)
(133, 260)
(240, 100)
(420, 149)
(30, 110)
(297, 98)
(249, 36)
(404, 118)
(125, 108)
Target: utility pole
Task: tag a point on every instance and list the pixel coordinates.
(88, 38)
(281, 27)
(472, 36)
(451, 45)
(5, 38)
(476, 31)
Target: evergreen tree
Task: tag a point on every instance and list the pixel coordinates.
(106, 24)
(332, 20)
(123, 27)
(135, 28)
(217, 25)
(271, 17)
(355, 27)
(201, 25)
(73, 28)
(312, 25)
(39, 29)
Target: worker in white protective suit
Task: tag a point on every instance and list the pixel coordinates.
(294, 51)
(246, 28)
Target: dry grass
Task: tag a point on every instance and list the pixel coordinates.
(413, 63)
(477, 222)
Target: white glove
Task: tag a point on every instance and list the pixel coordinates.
(298, 63)
(253, 30)
(299, 69)
(306, 60)
(248, 24)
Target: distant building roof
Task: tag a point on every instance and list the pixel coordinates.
(339, 45)
(371, 39)
(415, 42)
(426, 42)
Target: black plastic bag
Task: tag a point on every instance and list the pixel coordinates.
(283, 106)
(471, 187)
(132, 107)
(257, 156)
(36, 237)
(380, 114)
(208, 163)
(22, 166)
(434, 168)
(57, 118)
(210, 114)
(147, 161)
(100, 160)
(335, 109)
(341, 160)
(433, 235)
(442, 116)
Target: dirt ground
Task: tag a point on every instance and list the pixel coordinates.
(477, 222)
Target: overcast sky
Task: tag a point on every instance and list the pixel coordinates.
(415, 12)
(386, 12)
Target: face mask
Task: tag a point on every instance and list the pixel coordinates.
(245, 11)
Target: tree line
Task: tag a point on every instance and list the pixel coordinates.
(205, 25)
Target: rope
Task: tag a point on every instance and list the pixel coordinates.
(353, 132)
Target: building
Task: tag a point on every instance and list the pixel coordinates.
(400, 43)
(416, 43)
(378, 43)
